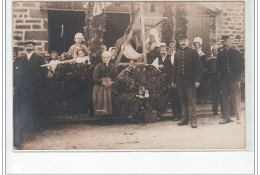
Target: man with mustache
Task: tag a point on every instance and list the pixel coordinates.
(186, 75)
(230, 66)
(30, 102)
(165, 63)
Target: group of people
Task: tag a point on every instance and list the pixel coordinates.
(182, 70)
(30, 75)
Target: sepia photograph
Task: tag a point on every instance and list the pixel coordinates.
(128, 75)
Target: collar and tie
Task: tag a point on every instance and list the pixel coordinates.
(29, 55)
(163, 58)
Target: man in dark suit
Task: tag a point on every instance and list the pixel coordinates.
(186, 75)
(30, 102)
(230, 66)
(165, 63)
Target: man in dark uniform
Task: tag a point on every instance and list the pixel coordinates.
(165, 63)
(230, 66)
(187, 71)
(30, 102)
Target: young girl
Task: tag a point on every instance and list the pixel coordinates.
(104, 76)
(82, 58)
(113, 52)
(78, 45)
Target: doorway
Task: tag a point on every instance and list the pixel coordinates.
(72, 22)
(199, 27)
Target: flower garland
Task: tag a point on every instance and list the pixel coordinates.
(168, 24)
(94, 30)
(70, 88)
(140, 94)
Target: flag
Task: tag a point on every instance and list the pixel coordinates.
(99, 6)
(85, 4)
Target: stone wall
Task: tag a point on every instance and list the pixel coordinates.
(231, 21)
(30, 23)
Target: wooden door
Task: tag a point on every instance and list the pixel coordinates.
(198, 26)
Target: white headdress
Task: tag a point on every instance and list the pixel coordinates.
(153, 32)
(106, 53)
(80, 35)
(197, 40)
(111, 48)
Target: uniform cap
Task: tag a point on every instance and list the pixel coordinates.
(183, 37)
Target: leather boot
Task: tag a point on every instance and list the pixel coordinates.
(194, 125)
(225, 120)
(183, 122)
(193, 121)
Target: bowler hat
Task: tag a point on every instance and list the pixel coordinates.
(47, 55)
(225, 37)
(28, 42)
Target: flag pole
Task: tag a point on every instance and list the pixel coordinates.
(143, 31)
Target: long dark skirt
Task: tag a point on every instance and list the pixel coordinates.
(102, 100)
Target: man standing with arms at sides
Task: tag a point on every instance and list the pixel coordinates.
(230, 66)
(187, 71)
(30, 102)
(165, 64)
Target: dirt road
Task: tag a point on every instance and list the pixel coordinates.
(80, 133)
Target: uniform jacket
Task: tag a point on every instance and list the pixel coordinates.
(230, 65)
(187, 67)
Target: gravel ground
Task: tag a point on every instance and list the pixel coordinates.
(80, 132)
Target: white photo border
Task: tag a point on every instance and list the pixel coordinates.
(132, 162)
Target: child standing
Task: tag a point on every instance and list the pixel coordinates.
(54, 62)
(78, 45)
(113, 52)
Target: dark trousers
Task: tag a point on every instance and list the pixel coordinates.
(203, 90)
(40, 110)
(188, 103)
(174, 98)
(231, 96)
(22, 117)
(215, 93)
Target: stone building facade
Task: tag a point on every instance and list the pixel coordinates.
(30, 22)
(231, 21)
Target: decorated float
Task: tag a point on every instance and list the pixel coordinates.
(139, 93)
